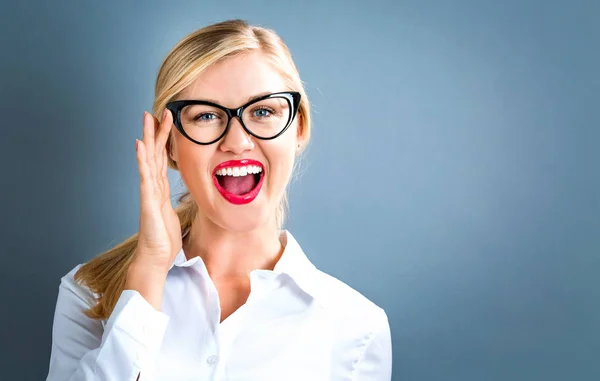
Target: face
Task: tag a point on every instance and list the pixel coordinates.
(237, 203)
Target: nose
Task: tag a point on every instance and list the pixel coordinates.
(237, 140)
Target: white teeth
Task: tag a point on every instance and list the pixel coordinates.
(239, 171)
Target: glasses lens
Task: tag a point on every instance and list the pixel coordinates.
(268, 117)
(203, 123)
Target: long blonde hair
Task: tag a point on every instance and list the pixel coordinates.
(105, 274)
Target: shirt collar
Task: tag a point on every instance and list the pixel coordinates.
(293, 263)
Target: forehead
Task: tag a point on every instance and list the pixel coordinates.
(234, 80)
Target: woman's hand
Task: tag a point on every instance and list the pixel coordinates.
(159, 238)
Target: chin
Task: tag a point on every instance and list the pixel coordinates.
(241, 221)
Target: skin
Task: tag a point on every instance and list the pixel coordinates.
(232, 240)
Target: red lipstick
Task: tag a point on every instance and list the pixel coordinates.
(239, 199)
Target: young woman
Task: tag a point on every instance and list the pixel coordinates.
(215, 289)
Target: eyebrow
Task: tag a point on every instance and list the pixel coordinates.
(250, 99)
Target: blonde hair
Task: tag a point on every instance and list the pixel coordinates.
(105, 274)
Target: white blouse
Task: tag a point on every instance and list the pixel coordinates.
(297, 324)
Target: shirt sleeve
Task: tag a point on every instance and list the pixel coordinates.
(85, 349)
(375, 364)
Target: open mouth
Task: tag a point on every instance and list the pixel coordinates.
(239, 181)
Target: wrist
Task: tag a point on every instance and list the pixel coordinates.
(148, 280)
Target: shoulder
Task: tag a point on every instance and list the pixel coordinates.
(355, 322)
(72, 289)
(347, 305)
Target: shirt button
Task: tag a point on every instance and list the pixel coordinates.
(212, 360)
(137, 360)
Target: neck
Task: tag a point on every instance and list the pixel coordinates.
(228, 254)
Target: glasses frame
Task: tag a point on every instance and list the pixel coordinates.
(293, 98)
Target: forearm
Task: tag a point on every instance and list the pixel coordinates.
(148, 280)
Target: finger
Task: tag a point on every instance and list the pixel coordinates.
(146, 181)
(148, 203)
(148, 133)
(162, 181)
(149, 128)
(161, 143)
(164, 166)
(163, 130)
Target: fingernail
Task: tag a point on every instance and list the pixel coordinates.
(164, 116)
(136, 142)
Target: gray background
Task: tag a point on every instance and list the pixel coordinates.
(453, 177)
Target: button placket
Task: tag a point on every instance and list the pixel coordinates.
(212, 360)
(137, 361)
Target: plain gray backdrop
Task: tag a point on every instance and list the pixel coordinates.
(452, 178)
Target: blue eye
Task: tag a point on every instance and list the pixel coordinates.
(205, 117)
(262, 112)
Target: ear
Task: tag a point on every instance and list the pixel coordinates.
(171, 149)
(300, 136)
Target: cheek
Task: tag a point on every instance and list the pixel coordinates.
(284, 152)
(281, 162)
(193, 162)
